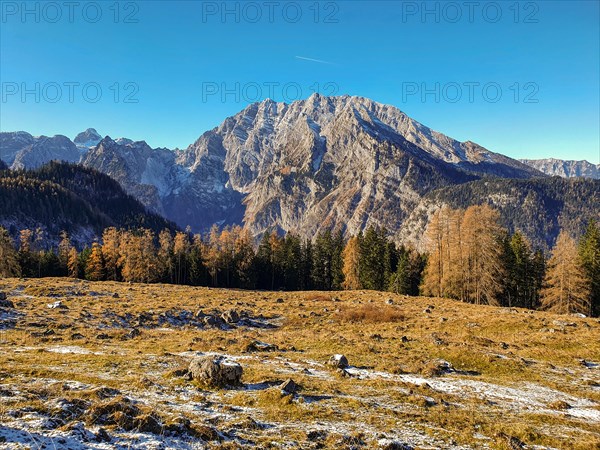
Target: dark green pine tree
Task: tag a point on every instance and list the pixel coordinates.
(391, 259)
(589, 252)
(263, 266)
(525, 272)
(292, 262)
(400, 281)
(372, 260)
(49, 264)
(83, 260)
(407, 278)
(198, 273)
(337, 264)
(306, 256)
(321, 273)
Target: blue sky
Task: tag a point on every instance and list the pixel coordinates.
(531, 68)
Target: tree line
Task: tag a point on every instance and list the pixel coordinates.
(470, 257)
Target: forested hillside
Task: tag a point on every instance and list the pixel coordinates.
(66, 197)
(539, 207)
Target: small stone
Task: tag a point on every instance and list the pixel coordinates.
(258, 346)
(344, 373)
(289, 386)
(564, 323)
(231, 316)
(57, 305)
(102, 436)
(210, 321)
(338, 361)
(316, 435)
(4, 302)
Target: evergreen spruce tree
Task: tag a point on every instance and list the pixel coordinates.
(589, 253)
(306, 251)
(522, 281)
(263, 262)
(372, 260)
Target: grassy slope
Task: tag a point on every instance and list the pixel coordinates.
(524, 350)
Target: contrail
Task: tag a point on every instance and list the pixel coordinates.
(320, 61)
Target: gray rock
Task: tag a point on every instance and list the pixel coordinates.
(258, 346)
(289, 386)
(211, 321)
(338, 361)
(564, 323)
(231, 316)
(216, 371)
(4, 302)
(57, 305)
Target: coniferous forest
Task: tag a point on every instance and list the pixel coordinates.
(470, 258)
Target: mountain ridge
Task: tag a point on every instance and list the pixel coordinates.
(565, 168)
(320, 163)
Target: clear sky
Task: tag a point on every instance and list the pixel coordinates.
(519, 78)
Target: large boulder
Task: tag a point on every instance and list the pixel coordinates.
(338, 361)
(216, 370)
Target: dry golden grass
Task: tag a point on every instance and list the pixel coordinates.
(502, 346)
(370, 314)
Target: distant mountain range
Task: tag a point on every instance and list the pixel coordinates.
(321, 163)
(565, 169)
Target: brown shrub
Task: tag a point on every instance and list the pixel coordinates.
(370, 313)
(317, 297)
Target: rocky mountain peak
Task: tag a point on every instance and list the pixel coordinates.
(87, 139)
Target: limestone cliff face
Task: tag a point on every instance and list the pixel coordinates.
(328, 162)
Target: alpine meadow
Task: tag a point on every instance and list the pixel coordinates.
(270, 251)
